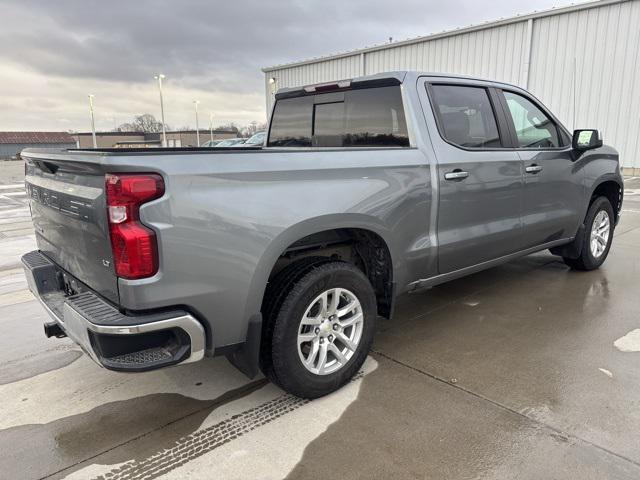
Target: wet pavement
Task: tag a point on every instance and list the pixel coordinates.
(526, 371)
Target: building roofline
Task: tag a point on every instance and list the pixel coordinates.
(202, 130)
(120, 134)
(449, 33)
(18, 137)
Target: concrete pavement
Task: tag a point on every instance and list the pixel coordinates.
(510, 373)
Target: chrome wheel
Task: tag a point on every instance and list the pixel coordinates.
(330, 331)
(600, 234)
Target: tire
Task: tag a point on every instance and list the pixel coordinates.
(588, 259)
(274, 296)
(319, 284)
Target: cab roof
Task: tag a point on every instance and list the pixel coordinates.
(376, 80)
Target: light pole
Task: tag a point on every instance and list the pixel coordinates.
(211, 125)
(196, 102)
(93, 123)
(159, 77)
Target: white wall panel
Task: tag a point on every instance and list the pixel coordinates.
(602, 45)
(601, 40)
(494, 53)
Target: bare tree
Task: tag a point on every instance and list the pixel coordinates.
(229, 127)
(145, 123)
(252, 128)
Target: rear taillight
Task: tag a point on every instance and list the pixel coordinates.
(135, 250)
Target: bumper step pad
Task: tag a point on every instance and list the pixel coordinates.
(143, 357)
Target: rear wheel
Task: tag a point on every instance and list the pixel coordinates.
(599, 224)
(322, 331)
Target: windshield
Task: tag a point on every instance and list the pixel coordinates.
(256, 139)
(228, 142)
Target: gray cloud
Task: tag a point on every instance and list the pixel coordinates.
(212, 47)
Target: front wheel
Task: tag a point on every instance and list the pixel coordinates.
(323, 330)
(599, 224)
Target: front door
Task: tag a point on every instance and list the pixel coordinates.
(553, 187)
(480, 180)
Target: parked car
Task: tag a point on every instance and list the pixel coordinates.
(282, 259)
(230, 142)
(256, 140)
(211, 143)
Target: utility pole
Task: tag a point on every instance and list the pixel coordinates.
(196, 102)
(211, 125)
(93, 123)
(159, 78)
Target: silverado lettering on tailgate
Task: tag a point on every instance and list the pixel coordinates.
(66, 204)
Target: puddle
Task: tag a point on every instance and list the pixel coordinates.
(630, 342)
(39, 450)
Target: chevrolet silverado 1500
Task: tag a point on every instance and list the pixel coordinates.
(282, 257)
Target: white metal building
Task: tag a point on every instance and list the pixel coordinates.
(598, 41)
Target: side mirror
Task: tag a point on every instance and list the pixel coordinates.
(586, 140)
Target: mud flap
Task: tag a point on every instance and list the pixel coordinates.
(246, 357)
(574, 249)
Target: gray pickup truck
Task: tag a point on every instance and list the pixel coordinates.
(282, 257)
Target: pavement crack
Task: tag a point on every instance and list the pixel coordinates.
(556, 431)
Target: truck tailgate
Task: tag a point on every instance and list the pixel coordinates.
(69, 214)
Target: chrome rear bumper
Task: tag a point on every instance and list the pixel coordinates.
(114, 340)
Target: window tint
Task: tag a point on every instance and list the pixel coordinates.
(291, 123)
(372, 117)
(533, 128)
(466, 116)
(328, 128)
(375, 117)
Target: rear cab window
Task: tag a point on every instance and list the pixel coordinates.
(367, 117)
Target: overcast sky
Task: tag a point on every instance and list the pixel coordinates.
(54, 53)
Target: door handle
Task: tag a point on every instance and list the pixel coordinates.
(533, 169)
(457, 174)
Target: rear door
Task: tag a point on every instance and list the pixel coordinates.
(553, 188)
(69, 216)
(480, 179)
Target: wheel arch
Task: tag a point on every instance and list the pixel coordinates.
(611, 187)
(314, 226)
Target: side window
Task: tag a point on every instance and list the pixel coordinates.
(534, 128)
(372, 117)
(466, 116)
